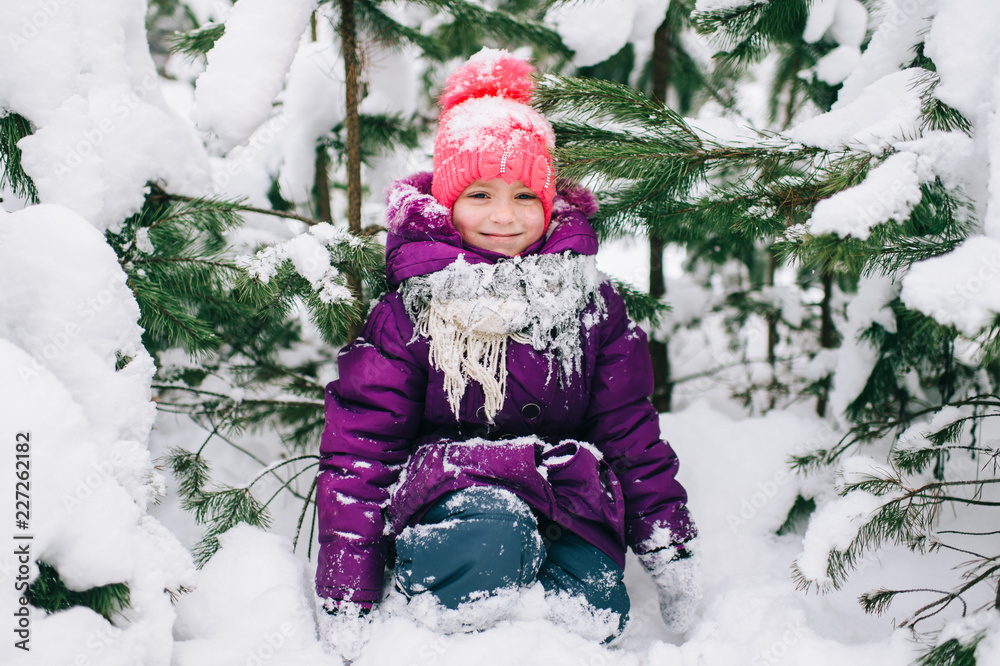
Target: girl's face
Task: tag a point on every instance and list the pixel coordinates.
(499, 216)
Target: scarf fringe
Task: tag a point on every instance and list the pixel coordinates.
(469, 313)
(460, 355)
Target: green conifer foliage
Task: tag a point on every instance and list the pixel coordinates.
(49, 593)
(932, 389)
(13, 128)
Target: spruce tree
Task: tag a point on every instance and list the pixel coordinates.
(927, 401)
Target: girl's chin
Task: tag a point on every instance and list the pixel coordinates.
(509, 245)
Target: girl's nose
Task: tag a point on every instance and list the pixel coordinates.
(503, 211)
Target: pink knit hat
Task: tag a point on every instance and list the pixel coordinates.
(487, 130)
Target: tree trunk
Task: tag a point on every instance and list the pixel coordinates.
(321, 185)
(352, 75)
(352, 123)
(772, 317)
(772, 331)
(659, 352)
(827, 337)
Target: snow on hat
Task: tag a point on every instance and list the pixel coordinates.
(487, 130)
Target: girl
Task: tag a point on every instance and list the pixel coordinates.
(491, 427)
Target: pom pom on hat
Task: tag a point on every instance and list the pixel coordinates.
(487, 130)
(489, 73)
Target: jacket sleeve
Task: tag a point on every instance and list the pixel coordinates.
(624, 425)
(372, 414)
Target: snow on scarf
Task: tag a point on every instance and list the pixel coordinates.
(469, 312)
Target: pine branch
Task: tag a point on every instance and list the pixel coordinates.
(473, 22)
(13, 128)
(380, 135)
(390, 33)
(640, 306)
(936, 225)
(798, 515)
(750, 31)
(197, 42)
(287, 485)
(302, 514)
(49, 593)
(953, 652)
(879, 602)
(594, 100)
(222, 510)
(190, 469)
(240, 207)
(272, 282)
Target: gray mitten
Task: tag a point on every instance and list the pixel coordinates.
(677, 574)
(344, 627)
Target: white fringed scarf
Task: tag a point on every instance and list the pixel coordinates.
(468, 312)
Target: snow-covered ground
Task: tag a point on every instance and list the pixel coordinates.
(106, 124)
(253, 598)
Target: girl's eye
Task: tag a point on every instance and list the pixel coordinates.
(527, 195)
(477, 195)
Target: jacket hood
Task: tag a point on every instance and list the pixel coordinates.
(422, 240)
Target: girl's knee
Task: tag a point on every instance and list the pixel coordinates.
(477, 541)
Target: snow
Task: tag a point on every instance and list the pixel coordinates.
(886, 110)
(64, 317)
(915, 437)
(309, 254)
(833, 526)
(312, 104)
(573, 23)
(105, 125)
(621, 21)
(261, 37)
(845, 21)
(838, 64)
(856, 358)
(967, 57)
(965, 53)
(479, 121)
(102, 127)
(958, 288)
(252, 600)
(392, 80)
(891, 44)
(890, 192)
(717, 5)
(949, 156)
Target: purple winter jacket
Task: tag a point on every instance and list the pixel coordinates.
(389, 413)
